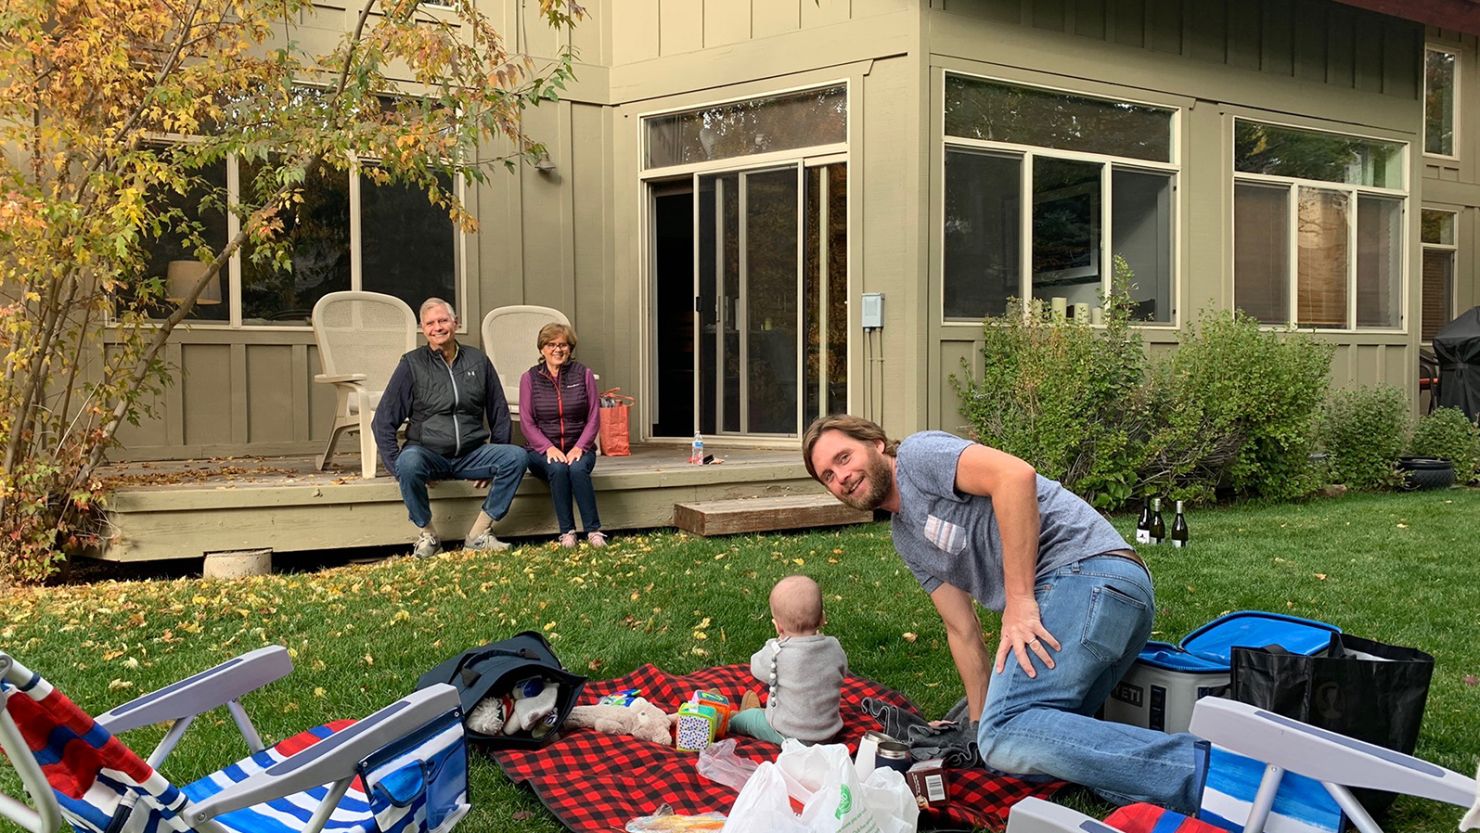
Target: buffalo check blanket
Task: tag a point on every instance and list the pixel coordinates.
(596, 783)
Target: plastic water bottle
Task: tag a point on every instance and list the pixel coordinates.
(696, 451)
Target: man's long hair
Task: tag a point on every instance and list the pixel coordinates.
(858, 428)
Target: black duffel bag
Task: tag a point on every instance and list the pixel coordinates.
(492, 671)
(1360, 688)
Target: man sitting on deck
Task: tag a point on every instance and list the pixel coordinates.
(457, 429)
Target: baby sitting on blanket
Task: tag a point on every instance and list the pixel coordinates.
(803, 669)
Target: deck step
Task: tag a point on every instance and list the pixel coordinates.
(764, 514)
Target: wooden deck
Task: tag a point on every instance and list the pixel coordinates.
(190, 508)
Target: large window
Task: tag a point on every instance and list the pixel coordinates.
(1440, 102)
(349, 232)
(743, 128)
(195, 217)
(1318, 228)
(1100, 179)
(1438, 271)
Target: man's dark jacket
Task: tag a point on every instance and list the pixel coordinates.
(446, 405)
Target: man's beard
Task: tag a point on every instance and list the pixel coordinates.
(875, 485)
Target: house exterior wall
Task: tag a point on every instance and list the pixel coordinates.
(1308, 64)
(1454, 184)
(576, 237)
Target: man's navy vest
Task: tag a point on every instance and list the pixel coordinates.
(447, 403)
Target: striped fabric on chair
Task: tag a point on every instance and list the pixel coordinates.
(102, 786)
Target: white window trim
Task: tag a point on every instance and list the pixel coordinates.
(804, 157)
(233, 271)
(1353, 192)
(1452, 248)
(1027, 153)
(1455, 97)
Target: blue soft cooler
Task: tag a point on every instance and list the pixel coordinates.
(1160, 689)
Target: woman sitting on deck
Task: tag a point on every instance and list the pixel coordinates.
(557, 415)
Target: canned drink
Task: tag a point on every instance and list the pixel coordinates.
(893, 754)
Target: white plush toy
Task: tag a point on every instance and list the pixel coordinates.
(528, 707)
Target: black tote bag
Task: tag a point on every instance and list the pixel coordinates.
(493, 669)
(1365, 689)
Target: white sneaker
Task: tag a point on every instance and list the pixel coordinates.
(486, 541)
(427, 544)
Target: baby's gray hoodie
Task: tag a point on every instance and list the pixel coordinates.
(805, 693)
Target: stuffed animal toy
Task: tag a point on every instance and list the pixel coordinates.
(528, 707)
(641, 720)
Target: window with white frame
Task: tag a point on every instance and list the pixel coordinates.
(1318, 227)
(1440, 102)
(349, 232)
(1438, 271)
(1100, 177)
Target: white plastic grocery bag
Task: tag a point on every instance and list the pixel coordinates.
(833, 799)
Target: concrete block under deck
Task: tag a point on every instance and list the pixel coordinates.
(186, 509)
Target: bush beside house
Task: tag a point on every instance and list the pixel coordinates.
(1235, 409)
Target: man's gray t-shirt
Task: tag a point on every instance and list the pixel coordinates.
(946, 537)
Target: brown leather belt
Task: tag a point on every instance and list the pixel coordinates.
(1129, 555)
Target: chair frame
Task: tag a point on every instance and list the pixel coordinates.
(485, 332)
(332, 760)
(1338, 762)
(347, 384)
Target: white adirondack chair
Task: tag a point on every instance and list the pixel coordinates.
(509, 335)
(361, 337)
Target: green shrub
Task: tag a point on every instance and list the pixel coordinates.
(1235, 407)
(1061, 395)
(1363, 434)
(1448, 434)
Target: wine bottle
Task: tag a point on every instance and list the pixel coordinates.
(1158, 526)
(1179, 528)
(1143, 523)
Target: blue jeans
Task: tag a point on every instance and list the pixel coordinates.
(501, 465)
(567, 479)
(1100, 610)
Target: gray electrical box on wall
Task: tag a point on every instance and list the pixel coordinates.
(871, 315)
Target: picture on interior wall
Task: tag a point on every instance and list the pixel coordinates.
(1066, 235)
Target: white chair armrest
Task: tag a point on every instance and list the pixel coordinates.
(1034, 815)
(340, 378)
(202, 692)
(1323, 755)
(332, 758)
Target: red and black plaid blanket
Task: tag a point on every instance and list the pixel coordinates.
(597, 782)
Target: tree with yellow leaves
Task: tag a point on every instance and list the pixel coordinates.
(112, 113)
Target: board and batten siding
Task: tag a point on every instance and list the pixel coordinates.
(1309, 63)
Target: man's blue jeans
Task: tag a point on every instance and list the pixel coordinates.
(1100, 610)
(567, 479)
(501, 465)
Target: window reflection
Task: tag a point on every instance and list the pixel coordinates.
(997, 112)
(742, 128)
(1308, 154)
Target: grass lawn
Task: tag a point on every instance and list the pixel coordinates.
(1399, 568)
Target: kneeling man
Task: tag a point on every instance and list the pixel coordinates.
(975, 523)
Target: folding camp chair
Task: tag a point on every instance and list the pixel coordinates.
(403, 769)
(1285, 745)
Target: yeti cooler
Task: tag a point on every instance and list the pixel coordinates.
(1159, 690)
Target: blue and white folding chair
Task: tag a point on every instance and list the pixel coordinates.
(1284, 745)
(1338, 762)
(403, 769)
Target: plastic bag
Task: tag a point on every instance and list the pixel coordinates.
(719, 763)
(833, 798)
(664, 820)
